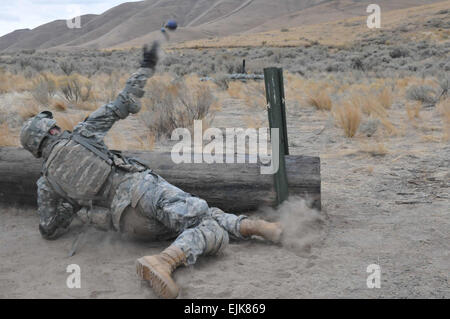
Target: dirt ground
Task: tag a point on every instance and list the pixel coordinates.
(392, 210)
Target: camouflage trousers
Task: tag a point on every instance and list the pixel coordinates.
(201, 230)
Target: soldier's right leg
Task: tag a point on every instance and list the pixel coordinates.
(241, 227)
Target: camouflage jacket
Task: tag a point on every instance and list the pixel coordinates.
(57, 207)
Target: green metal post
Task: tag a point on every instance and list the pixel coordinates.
(273, 78)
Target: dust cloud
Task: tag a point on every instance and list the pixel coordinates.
(303, 227)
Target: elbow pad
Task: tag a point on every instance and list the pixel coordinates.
(120, 106)
(125, 104)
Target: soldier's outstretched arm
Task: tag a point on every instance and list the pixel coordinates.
(101, 121)
(55, 214)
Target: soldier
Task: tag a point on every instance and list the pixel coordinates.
(82, 176)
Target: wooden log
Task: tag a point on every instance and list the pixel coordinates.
(234, 187)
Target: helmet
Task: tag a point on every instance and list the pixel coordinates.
(35, 130)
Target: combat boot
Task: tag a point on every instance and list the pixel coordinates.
(157, 270)
(269, 231)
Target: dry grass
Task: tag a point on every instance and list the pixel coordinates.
(116, 140)
(107, 87)
(413, 110)
(59, 105)
(374, 104)
(385, 98)
(318, 97)
(6, 136)
(13, 83)
(75, 88)
(30, 109)
(348, 117)
(174, 104)
(251, 93)
(375, 149)
(444, 110)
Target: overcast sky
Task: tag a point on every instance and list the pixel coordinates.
(23, 14)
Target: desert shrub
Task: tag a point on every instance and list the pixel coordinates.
(28, 51)
(170, 60)
(174, 104)
(75, 88)
(4, 85)
(369, 127)
(24, 62)
(423, 93)
(357, 64)
(43, 88)
(399, 53)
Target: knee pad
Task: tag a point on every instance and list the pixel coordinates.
(216, 238)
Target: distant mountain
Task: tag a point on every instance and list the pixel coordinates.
(135, 23)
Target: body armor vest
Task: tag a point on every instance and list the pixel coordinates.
(79, 168)
(77, 171)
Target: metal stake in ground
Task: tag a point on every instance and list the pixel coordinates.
(277, 119)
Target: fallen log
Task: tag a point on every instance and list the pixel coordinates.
(234, 187)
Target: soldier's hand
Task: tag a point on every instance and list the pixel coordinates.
(150, 56)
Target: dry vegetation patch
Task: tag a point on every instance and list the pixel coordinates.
(176, 103)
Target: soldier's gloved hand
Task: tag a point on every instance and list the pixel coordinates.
(150, 56)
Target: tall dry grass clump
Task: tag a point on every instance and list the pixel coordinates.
(375, 104)
(348, 117)
(386, 98)
(319, 98)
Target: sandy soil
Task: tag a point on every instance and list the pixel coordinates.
(391, 210)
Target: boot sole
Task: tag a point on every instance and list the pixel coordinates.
(146, 272)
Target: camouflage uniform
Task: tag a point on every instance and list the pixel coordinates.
(117, 193)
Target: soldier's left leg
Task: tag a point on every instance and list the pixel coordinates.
(207, 238)
(187, 215)
(203, 231)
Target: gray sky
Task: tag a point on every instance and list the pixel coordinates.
(23, 14)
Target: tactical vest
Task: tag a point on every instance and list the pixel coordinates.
(79, 168)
